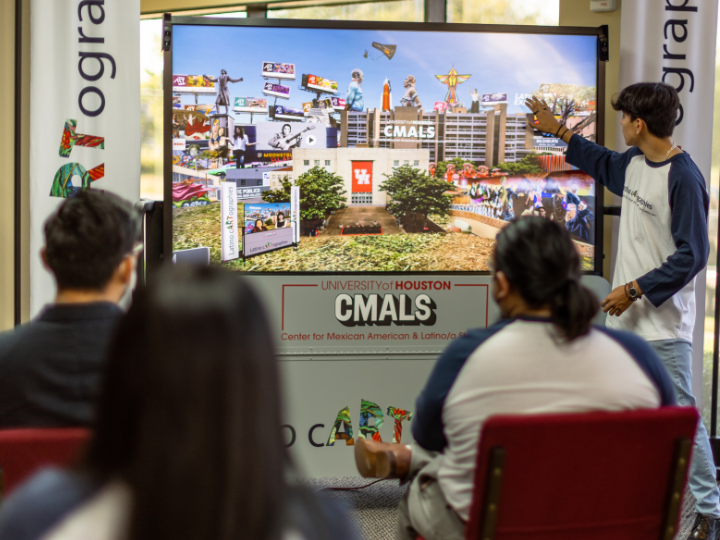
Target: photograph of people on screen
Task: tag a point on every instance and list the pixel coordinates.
(567, 199)
(419, 179)
(266, 217)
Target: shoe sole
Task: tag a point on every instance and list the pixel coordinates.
(372, 463)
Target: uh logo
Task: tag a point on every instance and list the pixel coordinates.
(371, 419)
(362, 177)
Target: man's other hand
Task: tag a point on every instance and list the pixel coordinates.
(616, 302)
(546, 121)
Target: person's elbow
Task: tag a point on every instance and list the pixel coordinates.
(696, 256)
(698, 263)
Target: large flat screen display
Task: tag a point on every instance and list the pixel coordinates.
(375, 149)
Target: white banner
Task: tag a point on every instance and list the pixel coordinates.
(295, 212)
(84, 111)
(229, 221)
(674, 41)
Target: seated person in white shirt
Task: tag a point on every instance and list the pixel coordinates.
(543, 356)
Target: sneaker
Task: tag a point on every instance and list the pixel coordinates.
(704, 528)
(376, 459)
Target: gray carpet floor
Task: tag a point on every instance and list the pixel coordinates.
(374, 509)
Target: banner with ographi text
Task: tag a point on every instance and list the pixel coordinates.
(229, 221)
(674, 41)
(84, 111)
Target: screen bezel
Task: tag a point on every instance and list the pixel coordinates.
(169, 22)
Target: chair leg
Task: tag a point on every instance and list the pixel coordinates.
(491, 499)
(681, 462)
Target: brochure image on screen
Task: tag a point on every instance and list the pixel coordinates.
(268, 227)
(262, 217)
(321, 83)
(288, 113)
(250, 104)
(403, 157)
(277, 90)
(280, 71)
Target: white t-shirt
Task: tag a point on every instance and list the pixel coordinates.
(522, 367)
(663, 239)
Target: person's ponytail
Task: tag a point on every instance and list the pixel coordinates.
(572, 309)
(540, 261)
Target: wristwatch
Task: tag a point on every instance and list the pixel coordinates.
(631, 291)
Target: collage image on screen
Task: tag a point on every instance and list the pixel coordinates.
(339, 150)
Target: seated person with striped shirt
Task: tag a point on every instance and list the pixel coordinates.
(543, 356)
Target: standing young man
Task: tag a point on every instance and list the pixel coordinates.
(663, 244)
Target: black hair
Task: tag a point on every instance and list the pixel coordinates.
(539, 260)
(88, 237)
(656, 104)
(286, 125)
(189, 416)
(281, 212)
(242, 131)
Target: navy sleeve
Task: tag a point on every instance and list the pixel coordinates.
(41, 503)
(427, 425)
(605, 166)
(689, 204)
(648, 361)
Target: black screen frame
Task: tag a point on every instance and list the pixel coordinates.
(169, 22)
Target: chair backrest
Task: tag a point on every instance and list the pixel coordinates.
(24, 451)
(595, 476)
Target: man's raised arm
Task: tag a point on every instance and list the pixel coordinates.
(605, 166)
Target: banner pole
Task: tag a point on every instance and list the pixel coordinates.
(167, 140)
(17, 167)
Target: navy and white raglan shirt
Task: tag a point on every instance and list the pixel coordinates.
(521, 366)
(663, 240)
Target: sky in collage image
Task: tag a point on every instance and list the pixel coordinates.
(512, 63)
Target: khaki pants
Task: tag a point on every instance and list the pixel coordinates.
(424, 510)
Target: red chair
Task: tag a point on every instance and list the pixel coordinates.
(594, 476)
(24, 451)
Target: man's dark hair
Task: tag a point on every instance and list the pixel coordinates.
(539, 260)
(88, 237)
(656, 104)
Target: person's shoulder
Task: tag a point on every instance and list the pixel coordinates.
(14, 343)
(647, 359)
(621, 336)
(39, 504)
(683, 167)
(473, 338)
(8, 338)
(636, 346)
(481, 334)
